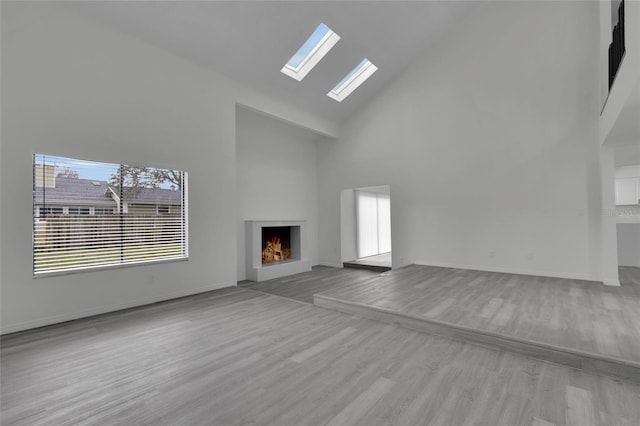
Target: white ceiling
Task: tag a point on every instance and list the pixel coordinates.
(250, 41)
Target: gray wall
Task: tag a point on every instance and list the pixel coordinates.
(277, 177)
(491, 146)
(73, 88)
(629, 244)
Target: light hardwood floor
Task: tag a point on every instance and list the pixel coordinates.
(579, 315)
(238, 356)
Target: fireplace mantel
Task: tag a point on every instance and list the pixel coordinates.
(299, 262)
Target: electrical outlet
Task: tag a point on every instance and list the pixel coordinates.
(492, 254)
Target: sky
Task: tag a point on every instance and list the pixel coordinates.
(353, 71)
(308, 46)
(91, 170)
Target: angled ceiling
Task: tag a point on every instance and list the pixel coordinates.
(250, 41)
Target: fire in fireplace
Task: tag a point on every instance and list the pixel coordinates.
(276, 244)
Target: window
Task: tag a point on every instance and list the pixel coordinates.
(353, 80)
(79, 210)
(311, 52)
(101, 210)
(89, 214)
(48, 211)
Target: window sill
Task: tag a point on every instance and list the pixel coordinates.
(54, 273)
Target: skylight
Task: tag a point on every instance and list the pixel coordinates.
(353, 80)
(311, 52)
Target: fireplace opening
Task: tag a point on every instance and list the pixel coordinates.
(276, 244)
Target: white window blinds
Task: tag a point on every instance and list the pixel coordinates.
(373, 223)
(89, 214)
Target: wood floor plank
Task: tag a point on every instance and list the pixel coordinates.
(490, 309)
(539, 422)
(323, 345)
(442, 307)
(363, 403)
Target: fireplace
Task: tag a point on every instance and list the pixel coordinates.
(276, 244)
(275, 249)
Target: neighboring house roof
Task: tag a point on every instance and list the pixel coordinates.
(75, 191)
(155, 196)
(95, 192)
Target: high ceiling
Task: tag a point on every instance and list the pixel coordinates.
(250, 41)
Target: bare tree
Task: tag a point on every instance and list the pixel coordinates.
(68, 173)
(134, 178)
(161, 176)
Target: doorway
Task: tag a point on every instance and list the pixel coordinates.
(366, 228)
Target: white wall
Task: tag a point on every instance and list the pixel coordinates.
(630, 171)
(277, 176)
(627, 155)
(73, 88)
(490, 144)
(348, 237)
(378, 189)
(608, 240)
(253, 100)
(629, 244)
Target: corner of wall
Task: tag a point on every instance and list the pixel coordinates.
(254, 101)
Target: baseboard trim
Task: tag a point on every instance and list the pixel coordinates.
(331, 264)
(611, 283)
(516, 271)
(586, 361)
(56, 319)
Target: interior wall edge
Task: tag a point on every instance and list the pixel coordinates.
(268, 107)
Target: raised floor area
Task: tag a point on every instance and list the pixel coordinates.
(581, 324)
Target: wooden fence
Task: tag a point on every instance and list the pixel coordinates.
(105, 231)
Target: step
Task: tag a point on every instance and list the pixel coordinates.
(586, 361)
(374, 268)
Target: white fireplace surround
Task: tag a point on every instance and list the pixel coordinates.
(299, 261)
